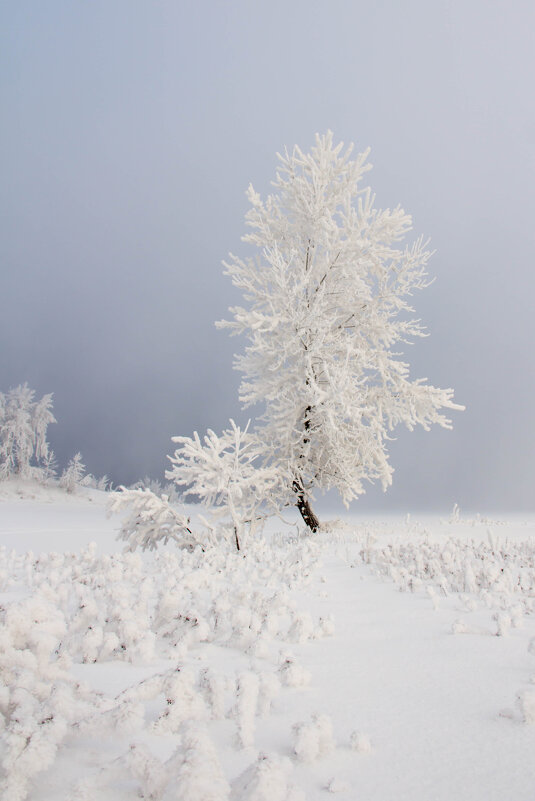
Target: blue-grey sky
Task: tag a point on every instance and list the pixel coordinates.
(130, 131)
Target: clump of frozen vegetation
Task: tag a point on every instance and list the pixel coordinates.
(292, 673)
(526, 701)
(456, 518)
(200, 775)
(360, 742)
(247, 686)
(88, 608)
(313, 740)
(40, 701)
(222, 643)
(496, 576)
(268, 779)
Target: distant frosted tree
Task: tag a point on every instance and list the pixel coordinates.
(50, 466)
(103, 483)
(327, 304)
(73, 474)
(23, 427)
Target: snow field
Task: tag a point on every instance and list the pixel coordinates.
(371, 661)
(446, 709)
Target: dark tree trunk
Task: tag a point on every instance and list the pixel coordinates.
(302, 502)
(305, 508)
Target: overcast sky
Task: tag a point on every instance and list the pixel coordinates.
(130, 131)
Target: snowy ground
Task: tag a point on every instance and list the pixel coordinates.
(380, 660)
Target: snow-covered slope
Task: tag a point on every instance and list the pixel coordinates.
(378, 660)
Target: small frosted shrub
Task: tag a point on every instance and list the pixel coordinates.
(269, 688)
(148, 770)
(293, 674)
(313, 740)
(245, 710)
(200, 776)
(267, 780)
(360, 742)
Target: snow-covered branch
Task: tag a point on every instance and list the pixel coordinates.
(151, 520)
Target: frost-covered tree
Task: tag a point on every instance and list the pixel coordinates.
(225, 472)
(327, 304)
(103, 483)
(23, 426)
(73, 474)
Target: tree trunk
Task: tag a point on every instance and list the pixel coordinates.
(305, 508)
(303, 503)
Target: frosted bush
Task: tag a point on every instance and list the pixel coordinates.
(148, 770)
(40, 700)
(360, 742)
(302, 628)
(503, 624)
(226, 472)
(128, 717)
(247, 686)
(92, 643)
(326, 627)
(216, 688)
(200, 776)
(93, 608)
(259, 647)
(267, 780)
(183, 702)
(292, 673)
(313, 740)
(517, 616)
(527, 705)
(269, 688)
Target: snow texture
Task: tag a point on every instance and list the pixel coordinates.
(185, 673)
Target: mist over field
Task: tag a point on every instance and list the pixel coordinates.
(130, 134)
